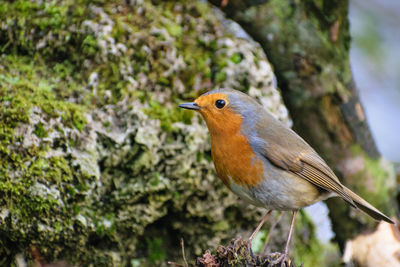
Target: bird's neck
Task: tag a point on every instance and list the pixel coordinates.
(232, 154)
(223, 124)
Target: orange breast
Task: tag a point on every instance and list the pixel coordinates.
(232, 155)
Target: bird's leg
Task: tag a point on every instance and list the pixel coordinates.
(258, 228)
(283, 256)
(271, 229)
(290, 232)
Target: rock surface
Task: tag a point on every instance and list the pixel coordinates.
(98, 165)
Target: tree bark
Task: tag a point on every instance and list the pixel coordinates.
(308, 44)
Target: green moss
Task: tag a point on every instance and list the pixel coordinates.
(25, 17)
(39, 130)
(174, 30)
(220, 77)
(168, 116)
(24, 87)
(156, 250)
(236, 58)
(22, 90)
(302, 49)
(31, 183)
(307, 249)
(89, 45)
(374, 182)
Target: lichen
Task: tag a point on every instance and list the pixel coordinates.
(96, 157)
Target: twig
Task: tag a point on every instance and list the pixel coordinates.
(183, 252)
(175, 263)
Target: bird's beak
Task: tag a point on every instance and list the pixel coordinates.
(192, 105)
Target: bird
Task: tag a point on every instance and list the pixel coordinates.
(265, 162)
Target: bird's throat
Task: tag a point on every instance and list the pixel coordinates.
(233, 157)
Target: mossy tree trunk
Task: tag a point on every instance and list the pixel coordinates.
(308, 44)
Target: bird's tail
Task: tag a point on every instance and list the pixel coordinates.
(366, 207)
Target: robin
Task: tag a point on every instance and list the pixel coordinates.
(266, 163)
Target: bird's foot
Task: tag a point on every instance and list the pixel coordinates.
(281, 259)
(249, 248)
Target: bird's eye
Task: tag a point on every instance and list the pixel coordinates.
(220, 103)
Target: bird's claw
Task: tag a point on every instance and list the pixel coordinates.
(281, 259)
(249, 247)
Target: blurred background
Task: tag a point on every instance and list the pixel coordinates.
(375, 61)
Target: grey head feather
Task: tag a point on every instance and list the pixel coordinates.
(251, 112)
(239, 102)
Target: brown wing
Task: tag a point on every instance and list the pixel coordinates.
(285, 149)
